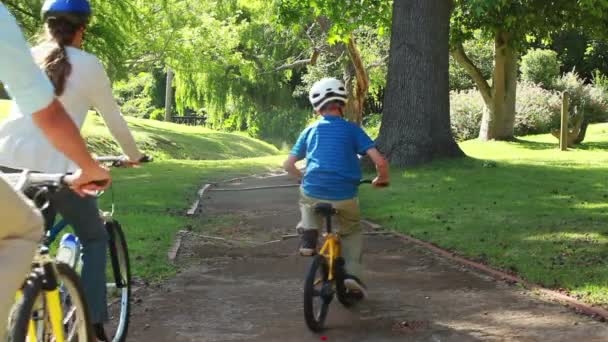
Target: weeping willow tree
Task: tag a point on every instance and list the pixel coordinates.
(224, 56)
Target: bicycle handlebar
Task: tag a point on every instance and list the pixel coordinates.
(371, 181)
(122, 161)
(25, 179)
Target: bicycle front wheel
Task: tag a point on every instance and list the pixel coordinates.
(318, 294)
(76, 321)
(25, 310)
(119, 283)
(30, 319)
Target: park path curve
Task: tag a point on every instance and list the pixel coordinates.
(248, 291)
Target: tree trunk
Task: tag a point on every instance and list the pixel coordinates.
(416, 121)
(169, 95)
(499, 117)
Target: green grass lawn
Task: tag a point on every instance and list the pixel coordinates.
(535, 211)
(151, 200)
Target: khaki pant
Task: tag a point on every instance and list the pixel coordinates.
(347, 223)
(20, 232)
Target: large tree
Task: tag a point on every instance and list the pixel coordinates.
(416, 122)
(511, 25)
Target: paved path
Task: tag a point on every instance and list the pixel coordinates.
(228, 292)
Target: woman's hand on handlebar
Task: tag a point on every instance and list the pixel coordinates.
(87, 182)
(126, 163)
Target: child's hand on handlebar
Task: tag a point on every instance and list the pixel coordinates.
(380, 182)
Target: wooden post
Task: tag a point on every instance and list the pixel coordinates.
(169, 95)
(563, 136)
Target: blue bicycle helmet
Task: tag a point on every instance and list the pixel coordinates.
(75, 11)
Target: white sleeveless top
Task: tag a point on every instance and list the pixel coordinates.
(24, 146)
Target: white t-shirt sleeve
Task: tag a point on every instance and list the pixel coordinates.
(100, 94)
(25, 82)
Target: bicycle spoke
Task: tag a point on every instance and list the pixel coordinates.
(69, 315)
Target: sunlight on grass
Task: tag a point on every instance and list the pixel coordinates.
(537, 211)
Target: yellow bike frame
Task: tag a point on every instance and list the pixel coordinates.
(53, 306)
(330, 251)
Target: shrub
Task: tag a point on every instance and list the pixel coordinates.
(466, 110)
(600, 81)
(537, 109)
(371, 124)
(158, 114)
(592, 100)
(540, 67)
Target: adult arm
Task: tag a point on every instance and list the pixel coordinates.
(33, 93)
(100, 93)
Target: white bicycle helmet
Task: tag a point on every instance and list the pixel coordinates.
(327, 90)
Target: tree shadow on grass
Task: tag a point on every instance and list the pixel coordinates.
(537, 145)
(547, 223)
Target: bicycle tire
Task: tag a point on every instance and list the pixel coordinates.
(21, 314)
(119, 263)
(69, 283)
(316, 320)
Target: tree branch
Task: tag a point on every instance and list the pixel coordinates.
(312, 61)
(378, 63)
(461, 57)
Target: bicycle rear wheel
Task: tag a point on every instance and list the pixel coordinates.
(318, 294)
(119, 284)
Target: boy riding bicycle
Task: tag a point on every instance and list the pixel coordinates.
(331, 147)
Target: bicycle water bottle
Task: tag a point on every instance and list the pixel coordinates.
(69, 250)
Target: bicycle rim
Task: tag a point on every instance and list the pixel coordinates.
(76, 319)
(119, 284)
(318, 294)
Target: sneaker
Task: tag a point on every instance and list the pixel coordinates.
(355, 287)
(308, 242)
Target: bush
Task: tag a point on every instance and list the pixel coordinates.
(158, 114)
(540, 67)
(371, 124)
(466, 110)
(592, 100)
(599, 81)
(537, 109)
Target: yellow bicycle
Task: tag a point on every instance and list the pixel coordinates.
(326, 275)
(50, 306)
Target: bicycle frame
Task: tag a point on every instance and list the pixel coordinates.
(331, 248)
(52, 297)
(330, 251)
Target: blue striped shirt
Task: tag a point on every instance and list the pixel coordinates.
(331, 147)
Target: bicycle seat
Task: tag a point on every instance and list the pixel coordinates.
(325, 209)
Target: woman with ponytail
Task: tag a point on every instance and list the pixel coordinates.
(80, 82)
